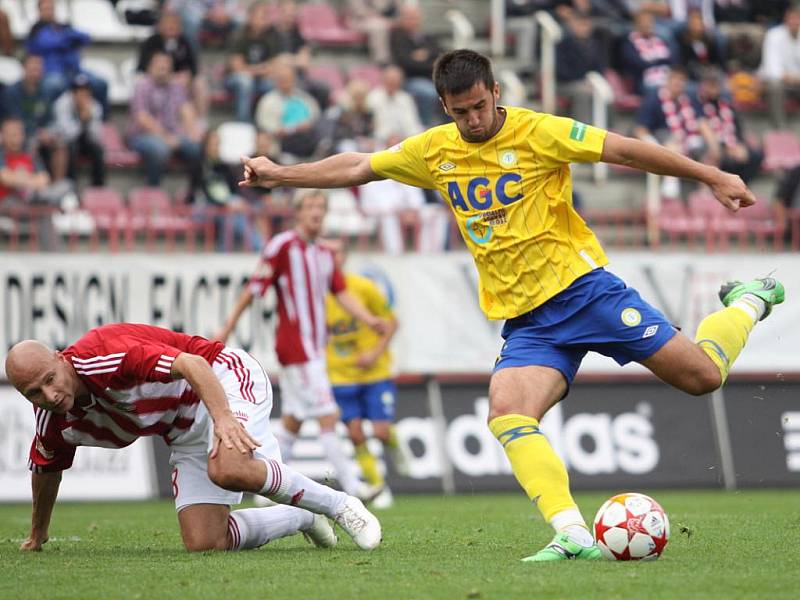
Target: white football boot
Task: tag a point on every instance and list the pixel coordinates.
(383, 500)
(359, 523)
(366, 492)
(321, 534)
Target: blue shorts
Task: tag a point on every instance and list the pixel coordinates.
(597, 312)
(373, 401)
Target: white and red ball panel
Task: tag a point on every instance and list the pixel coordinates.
(631, 527)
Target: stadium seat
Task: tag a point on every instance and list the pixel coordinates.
(675, 221)
(720, 223)
(99, 19)
(117, 154)
(319, 23)
(107, 208)
(118, 91)
(19, 19)
(763, 222)
(368, 72)
(781, 150)
(236, 139)
(624, 98)
(10, 70)
(152, 211)
(330, 74)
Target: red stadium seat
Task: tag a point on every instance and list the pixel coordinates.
(109, 213)
(624, 98)
(319, 23)
(329, 74)
(370, 73)
(720, 223)
(117, 154)
(675, 221)
(152, 211)
(781, 150)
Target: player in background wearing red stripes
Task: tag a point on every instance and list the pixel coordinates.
(303, 272)
(210, 403)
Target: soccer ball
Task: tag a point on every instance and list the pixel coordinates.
(631, 527)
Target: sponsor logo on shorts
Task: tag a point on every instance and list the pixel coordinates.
(650, 331)
(631, 317)
(447, 166)
(242, 416)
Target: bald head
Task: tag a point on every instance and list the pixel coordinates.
(26, 360)
(42, 375)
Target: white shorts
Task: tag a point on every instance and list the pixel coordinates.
(250, 397)
(306, 391)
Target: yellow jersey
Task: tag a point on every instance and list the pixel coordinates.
(512, 199)
(348, 337)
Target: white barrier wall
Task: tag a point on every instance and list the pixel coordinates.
(56, 298)
(96, 474)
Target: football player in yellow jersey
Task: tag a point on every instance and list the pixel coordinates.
(360, 371)
(505, 174)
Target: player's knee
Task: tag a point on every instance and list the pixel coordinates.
(357, 436)
(704, 381)
(203, 543)
(500, 405)
(224, 475)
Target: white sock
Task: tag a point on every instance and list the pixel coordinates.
(286, 486)
(254, 527)
(571, 522)
(752, 305)
(286, 440)
(345, 469)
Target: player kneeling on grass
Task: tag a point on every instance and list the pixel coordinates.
(504, 172)
(210, 403)
(359, 367)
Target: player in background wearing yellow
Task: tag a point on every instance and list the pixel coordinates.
(360, 370)
(505, 173)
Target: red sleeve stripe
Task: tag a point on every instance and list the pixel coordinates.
(88, 361)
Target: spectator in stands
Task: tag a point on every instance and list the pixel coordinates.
(213, 20)
(669, 117)
(415, 52)
(680, 11)
(59, 45)
(24, 183)
(79, 124)
(170, 39)
(787, 197)
(290, 45)
(216, 187)
(354, 123)
(290, 114)
(394, 110)
(163, 120)
(27, 100)
(6, 38)
(374, 18)
(728, 148)
(780, 66)
(698, 46)
(578, 53)
(250, 63)
(645, 56)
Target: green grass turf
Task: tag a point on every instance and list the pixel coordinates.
(723, 545)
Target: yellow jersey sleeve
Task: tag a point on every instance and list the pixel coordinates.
(405, 162)
(375, 301)
(559, 140)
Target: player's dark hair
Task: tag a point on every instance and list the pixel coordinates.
(457, 71)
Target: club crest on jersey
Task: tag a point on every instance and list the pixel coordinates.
(631, 317)
(508, 158)
(447, 166)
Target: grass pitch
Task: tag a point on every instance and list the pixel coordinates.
(723, 545)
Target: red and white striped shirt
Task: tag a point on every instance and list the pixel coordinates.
(126, 368)
(303, 273)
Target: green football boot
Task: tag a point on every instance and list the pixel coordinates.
(561, 548)
(769, 289)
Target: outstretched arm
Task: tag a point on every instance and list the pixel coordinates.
(227, 429)
(729, 189)
(355, 308)
(44, 487)
(338, 171)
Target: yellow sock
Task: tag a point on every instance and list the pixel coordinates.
(723, 334)
(369, 465)
(537, 467)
